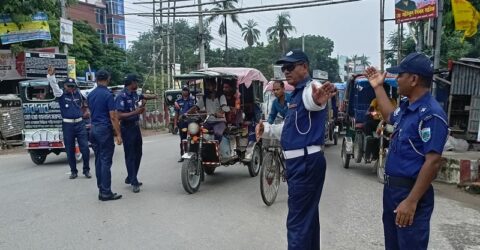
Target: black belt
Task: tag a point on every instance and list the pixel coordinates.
(129, 123)
(394, 181)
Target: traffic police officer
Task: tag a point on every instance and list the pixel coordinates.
(129, 106)
(105, 127)
(71, 107)
(183, 105)
(302, 139)
(414, 155)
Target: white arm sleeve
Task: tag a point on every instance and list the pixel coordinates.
(307, 97)
(200, 104)
(52, 80)
(272, 131)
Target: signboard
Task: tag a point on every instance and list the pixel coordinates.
(42, 115)
(36, 64)
(414, 10)
(177, 69)
(319, 74)
(66, 31)
(277, 72)
(8, 66)
(37, 29)
(72, 71)
(90, 76)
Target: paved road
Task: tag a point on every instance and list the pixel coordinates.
(42, 209)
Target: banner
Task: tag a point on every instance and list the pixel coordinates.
(8, 66)
(466, 17)
(66, 31)
(414, 10)
(36, 64)
(72, 70)
(37, 29)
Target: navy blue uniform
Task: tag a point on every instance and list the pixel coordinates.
(185, 105)
(126, 102)
(420, 128)
(304, 130)
(73, 126)
(101, 102)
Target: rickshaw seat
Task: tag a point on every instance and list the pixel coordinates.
(359, 125)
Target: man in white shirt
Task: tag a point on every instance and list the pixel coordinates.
(216, 106)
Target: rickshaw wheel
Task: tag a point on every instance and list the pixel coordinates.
(335, 138)
(191, 178)
(269, 178)
(358, 148)
(345, 157)
(256, 162)
(209, 170)
(38, 157)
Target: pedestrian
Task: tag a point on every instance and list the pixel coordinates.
(105, 127)
(73, 109)
(420, 133)
(130, 106)
(302, 139)
(185, 104)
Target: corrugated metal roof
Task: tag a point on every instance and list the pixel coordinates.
(465, 78)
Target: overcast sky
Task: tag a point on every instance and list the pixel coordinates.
(354, 27)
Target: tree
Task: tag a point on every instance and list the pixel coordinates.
(250, 32)
(226, 5)
(281, 30)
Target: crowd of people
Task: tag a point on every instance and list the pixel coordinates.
(413, 161)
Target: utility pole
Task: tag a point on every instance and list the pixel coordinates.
(154, 57)
(169, 65)
(303, 42)
(162, 62)
(438, 43)
(201, 48)
(400, 41)
(64, 15)
(174, 49)
(382, 35)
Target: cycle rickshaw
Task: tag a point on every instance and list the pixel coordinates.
(238, 145)
(362, 142)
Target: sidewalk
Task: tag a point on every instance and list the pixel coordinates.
(461, 169)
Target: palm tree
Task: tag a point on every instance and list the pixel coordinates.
(281, 29)
(226, 5)
(250, 33)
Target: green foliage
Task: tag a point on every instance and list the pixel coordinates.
(250, 32)
(280, 31)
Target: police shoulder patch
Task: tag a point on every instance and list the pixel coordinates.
(426, 134)
(395, 113)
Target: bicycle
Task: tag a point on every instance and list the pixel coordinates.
(273, 167)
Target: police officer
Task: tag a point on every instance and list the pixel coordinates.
(302, 140)
(129, 106)
(73, 126)
(184, 105)
(105, 127)
(414, 155)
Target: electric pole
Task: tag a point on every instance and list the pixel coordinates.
(154, 57)
(169, 65)
(64, 15)
(438, 43)
(201, 47)
(382, 35)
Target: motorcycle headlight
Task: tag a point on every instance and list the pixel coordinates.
(193, 128)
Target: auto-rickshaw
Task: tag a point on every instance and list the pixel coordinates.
(361, 141)
(238, 144)
(171, 96)
(42, 133)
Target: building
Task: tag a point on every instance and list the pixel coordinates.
(106, 17)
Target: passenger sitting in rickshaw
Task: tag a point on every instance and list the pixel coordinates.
(280, 104)
(214, 104)
(234, 116)
(374, 115)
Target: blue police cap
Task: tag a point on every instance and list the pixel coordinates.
(185, 87)
(130, 78)
(293, 56)
(102, 75)
(70, 82)
(414, 63)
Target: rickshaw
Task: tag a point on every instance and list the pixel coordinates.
(171, 96)
(359, 142)
(42, 133)
(238, 145)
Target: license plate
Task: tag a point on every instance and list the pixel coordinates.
(43, 144)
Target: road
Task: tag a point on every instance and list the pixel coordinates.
(42, 209)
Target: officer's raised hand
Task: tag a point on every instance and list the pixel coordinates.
(51, 70)
(375, 77)
(323, 93)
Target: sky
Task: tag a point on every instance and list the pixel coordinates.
(353, 27)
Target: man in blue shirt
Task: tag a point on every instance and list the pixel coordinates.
(73, 127)
(302, 140)
(129, 107)
(414, 154)
(280, 104)
(183, 106)
(105, 127)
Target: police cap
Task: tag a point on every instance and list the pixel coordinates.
(130, 78)
(70, 82)
(102, 75)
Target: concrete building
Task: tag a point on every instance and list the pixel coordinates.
(106, 17)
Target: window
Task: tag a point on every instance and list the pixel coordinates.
(115, 7)
(120, 42)
(39, 91)
(115, 26)
(101, 34)
(100, 16)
